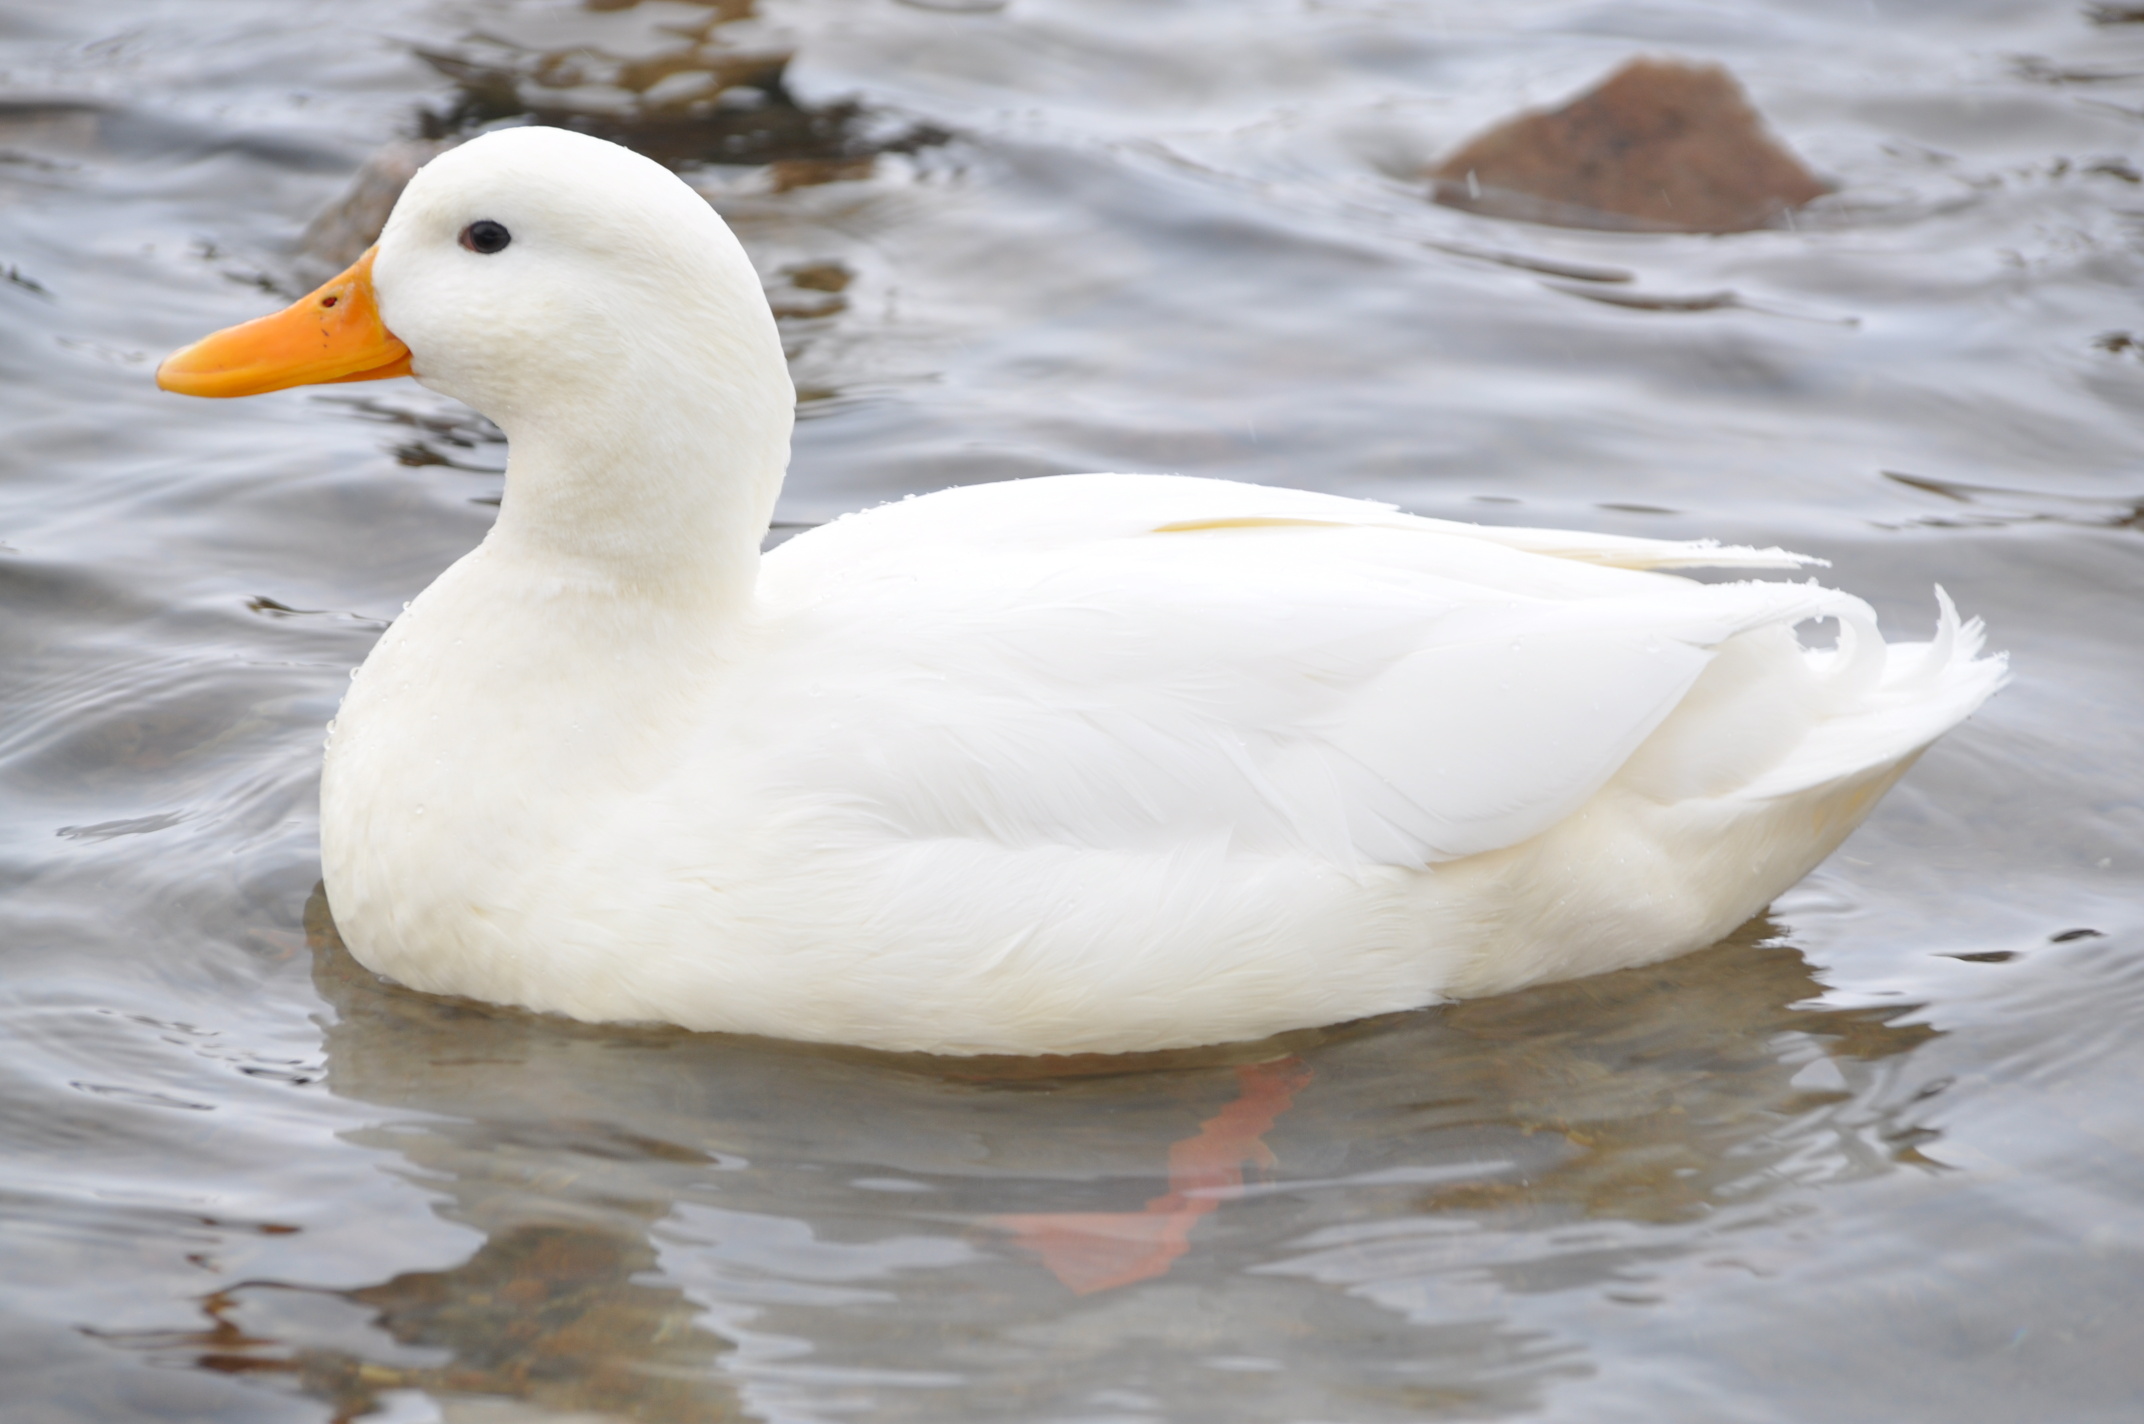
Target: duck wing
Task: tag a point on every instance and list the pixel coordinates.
(1145, 662)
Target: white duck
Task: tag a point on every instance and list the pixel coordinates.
(1088, 763)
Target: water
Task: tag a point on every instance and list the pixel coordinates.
(1878, 1158)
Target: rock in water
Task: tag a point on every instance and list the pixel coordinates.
(343, 230)
(1660, 145)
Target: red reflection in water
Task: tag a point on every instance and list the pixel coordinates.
(1096, 1250)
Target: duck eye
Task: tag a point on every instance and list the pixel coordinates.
(486, 236)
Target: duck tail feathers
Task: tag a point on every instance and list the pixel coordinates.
(1925, 690)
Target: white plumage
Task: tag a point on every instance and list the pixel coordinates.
(1091, 763)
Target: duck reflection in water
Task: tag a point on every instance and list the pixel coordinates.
(653, 1200)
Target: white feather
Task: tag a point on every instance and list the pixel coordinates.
(1089, 763)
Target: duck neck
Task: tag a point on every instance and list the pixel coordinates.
(648, 489)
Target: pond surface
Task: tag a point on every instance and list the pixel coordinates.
(1880, 1157)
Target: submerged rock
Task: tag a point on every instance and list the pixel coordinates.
(695, 98)
(1660, 145)
(343, 230)
(697, 106)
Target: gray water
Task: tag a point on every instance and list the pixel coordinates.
(1880, 1157)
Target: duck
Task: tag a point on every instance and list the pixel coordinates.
(1083, 763)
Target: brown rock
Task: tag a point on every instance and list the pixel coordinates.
(1660, 145)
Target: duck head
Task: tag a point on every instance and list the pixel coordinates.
(581, 296)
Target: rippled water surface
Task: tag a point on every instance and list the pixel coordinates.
(1880, 1157)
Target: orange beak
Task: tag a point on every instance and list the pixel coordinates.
(333, 334)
